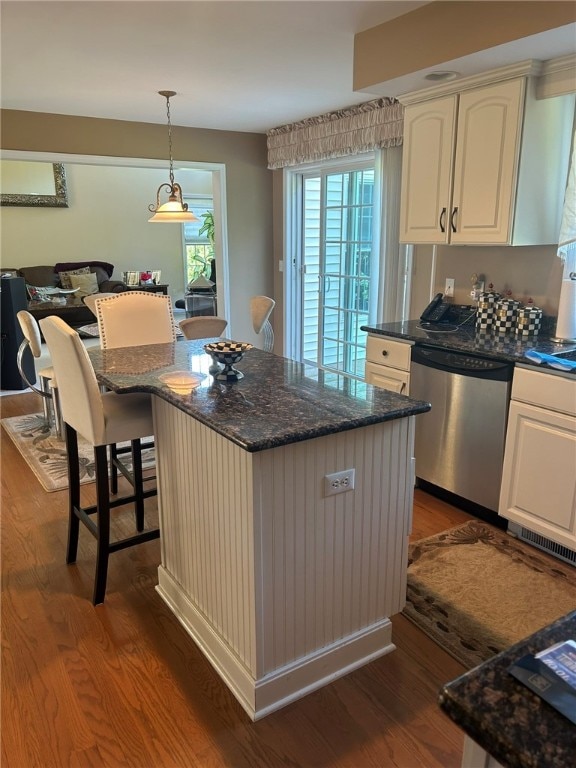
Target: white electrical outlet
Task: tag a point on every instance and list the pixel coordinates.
(338, 482)
(449, 287)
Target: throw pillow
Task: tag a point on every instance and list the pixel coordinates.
(101, 275)
(86, 284)
(65, 276)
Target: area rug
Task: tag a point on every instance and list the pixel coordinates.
(475, 590)
(45, 454)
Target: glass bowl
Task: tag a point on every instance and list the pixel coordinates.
(181, 382)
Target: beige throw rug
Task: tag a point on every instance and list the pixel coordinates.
(45, 454)
(475, 590)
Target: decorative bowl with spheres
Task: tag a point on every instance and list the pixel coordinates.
(227, 353)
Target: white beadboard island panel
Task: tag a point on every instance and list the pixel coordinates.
(282, 588)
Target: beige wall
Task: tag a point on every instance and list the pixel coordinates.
(107, 220)
(248, 184)
(443, 31)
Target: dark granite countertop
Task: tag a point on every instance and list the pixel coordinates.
(509, 721)
(466, 339)
(279, 401)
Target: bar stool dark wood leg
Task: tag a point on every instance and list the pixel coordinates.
(103, 528)
(138, 483)
(73, 493)
(113, 469)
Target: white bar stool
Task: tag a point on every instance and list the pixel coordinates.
(102, 419)
(48, 388)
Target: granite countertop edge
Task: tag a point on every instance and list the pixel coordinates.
(510, 722)
(183, 403)
(411, 408)
(275, 404)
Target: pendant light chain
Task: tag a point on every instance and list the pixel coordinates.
(175, 209)
(170, 140)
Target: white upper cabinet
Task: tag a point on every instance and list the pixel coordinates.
(486, 165)
(427, 159)
(487, 145)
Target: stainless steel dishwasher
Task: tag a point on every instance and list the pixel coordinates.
(460, 442)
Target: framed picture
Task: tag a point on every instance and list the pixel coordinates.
(131, 278)
(156, 275)
(34, 185)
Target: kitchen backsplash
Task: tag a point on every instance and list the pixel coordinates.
(528, 272)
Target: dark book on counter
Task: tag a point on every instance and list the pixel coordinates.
(552, 675)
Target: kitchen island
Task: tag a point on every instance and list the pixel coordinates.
(284, 585)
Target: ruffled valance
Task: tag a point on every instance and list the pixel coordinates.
(362, 128)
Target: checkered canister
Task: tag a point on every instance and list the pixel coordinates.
(486, 311)
(528, 321)
(505, 315)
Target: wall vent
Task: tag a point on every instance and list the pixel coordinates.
(537, 540)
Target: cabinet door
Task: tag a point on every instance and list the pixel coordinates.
(486, 163)
(427, 157)
(539, 481)
(387, 378)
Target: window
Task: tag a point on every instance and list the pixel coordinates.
(198, 247)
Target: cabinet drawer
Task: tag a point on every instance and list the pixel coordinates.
(383, 351)
(545, 390)
(387, 378)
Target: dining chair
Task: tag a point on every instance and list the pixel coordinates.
(48, 390)
(135, 319)
(130, 319)
(103, 419)
(202, 326)
(92, 298)
(261, 308)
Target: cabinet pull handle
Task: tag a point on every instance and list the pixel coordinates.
(452, 224)
(402, 388)
(442, 220)
(384, 353)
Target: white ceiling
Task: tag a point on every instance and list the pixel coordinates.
(235, 64)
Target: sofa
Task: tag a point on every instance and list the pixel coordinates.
(63, 275)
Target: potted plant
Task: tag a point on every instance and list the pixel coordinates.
(208, 227)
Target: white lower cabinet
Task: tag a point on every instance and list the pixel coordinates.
(539, 479)
(388, 364)
(387, 378)
(476, 757)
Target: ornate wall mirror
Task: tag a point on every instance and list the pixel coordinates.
(33, 185)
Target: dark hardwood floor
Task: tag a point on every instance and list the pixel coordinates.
(124, 685)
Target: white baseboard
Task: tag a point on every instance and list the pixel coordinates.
(260, 697)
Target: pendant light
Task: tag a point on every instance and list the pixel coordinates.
(175, 210)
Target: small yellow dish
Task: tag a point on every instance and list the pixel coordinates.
(181, 382)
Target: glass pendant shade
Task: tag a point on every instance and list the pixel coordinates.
(171, 212)
(174, 210)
